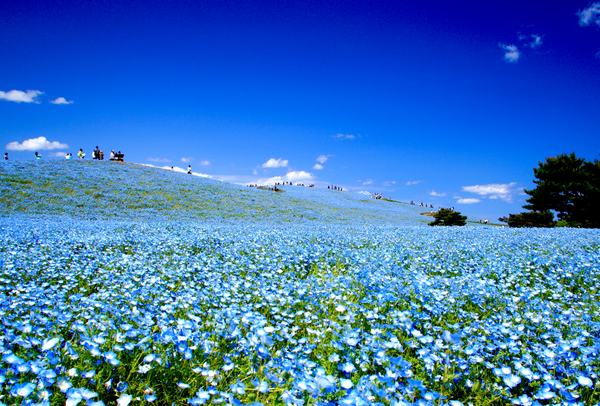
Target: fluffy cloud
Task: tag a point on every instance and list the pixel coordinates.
(19, 96)
(502, 191)
(205, 162)
(58, 154)
(434, 193)
(537, 41)
(366, 182)
(318, 167)
(512, 53)
(344, 136)
(61, 100)
(466, 201)
(275, 163)
(35, 144)
(389, 183)
(292, 176)
(187, 160)
(364, 192)
(158, 159)
(323, 158)
(413, 182)
(590, 15)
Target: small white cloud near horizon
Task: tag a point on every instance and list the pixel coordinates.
(413, 182)
(364, 192)
(292, 176)
(318, 167)
(590, 15)
(61, 100)
(512, 54)
(205, 162)
(389, 183)
(57, 154)
(254, 172)
(345, 136)
(501, 191)
(35, 144)
(187, 160)
(434, 193)
(275, 163)
(323, 158)
(466, 201)
(19, 96)
(151, 159)
(366, 181)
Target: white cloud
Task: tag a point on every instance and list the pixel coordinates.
(58, 154)
(502, 191)
(345, 136)
(254, 172)
(466, 201)
(364, 192)
(61, 100)
(366, 182)
(158, 159)
(205, 162)
(413, 182)
(318, 167)
(187, 160)
(434, 193)
(512, 53)
(323, 158)
(35, 144)
(19, 96)
(292, 176)
(275, 163)
(537, 41)
(590, 15)
(389, 183)
(178, 169)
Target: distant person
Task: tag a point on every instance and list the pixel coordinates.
(67, 156)
(6, 156)
(81, 154)
(38, 155)
(112, 154)
(96, 153)
(189, 169)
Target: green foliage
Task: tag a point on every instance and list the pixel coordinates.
(447, 217)
(570, 186)
(532, 219)
(562, 223)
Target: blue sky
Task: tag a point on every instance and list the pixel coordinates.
(449, 104)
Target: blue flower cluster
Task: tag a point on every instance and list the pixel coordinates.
(257, 313)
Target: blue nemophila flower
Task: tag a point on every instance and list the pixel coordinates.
(124, 399)
(512, 380)
(122, 386)
(23, 390)
(585, 381)
(48, 344)
(183, 385)
(346, 383)
(89, 374)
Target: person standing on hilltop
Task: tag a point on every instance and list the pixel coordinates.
(189, 169)
(38, 155)
(6, 156)
(81, 154)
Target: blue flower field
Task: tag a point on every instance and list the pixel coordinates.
(122, 284)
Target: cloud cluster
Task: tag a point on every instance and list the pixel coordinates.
(503, 191)
(512, 53)
(466, 201)
(187, 160)
(292, 176)
(19, 96)
(205, 162)
(434, 193)
(35, 144)
(344, 136)
(318, 166)
(61, 100)
(323, 158)
(275, 163)
(590, 15)
(413, 182)
(389, 183)
(158, 159)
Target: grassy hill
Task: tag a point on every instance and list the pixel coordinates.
(110, 190)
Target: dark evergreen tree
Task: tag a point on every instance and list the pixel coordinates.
(569, 186)
(447, 217)
(532, 219)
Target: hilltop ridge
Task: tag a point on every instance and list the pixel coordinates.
(110, 190)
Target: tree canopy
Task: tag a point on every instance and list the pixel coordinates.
(569, 186)
(447, 217)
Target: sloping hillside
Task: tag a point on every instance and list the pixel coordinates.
(110, 190)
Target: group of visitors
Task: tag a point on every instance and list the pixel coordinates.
(412, 202)
(377, 196)
(484, 221)
(335, 188)
(96, 154)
